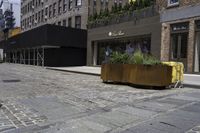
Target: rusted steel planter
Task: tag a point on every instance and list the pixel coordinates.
(156, 75)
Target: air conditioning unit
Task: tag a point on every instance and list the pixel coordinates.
(46, 6)
(42, 1)
(45, 17)
(35, 21)
(33, 6)
(30, 24)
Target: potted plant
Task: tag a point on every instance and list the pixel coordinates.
(137, 68)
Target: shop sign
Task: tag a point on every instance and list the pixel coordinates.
(180, 27)
(116, 33)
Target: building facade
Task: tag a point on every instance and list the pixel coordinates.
(70, 13)
(180, 39)
(123, 31)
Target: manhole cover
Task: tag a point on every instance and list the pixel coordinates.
(12, 81)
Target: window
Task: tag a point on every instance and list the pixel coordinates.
(59, 7)
(33, 4)
(28, 7)
(78, 2)
(36, 4)
(30, 18)
(25, 23)
(198, 24)
(95, 2)
(120, 3)
(102, 2)
(42, 15)
(173, 2)
(33, 17)
(54, 9)
(69, 22)
(115, 3)
(78, 22)
(59, 23)
(46, 11)
(64, 22)
(64, 5)
(179, 45)
(38, 17)
(70, 4)
(50, 10)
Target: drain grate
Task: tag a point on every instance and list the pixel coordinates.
(11, 81)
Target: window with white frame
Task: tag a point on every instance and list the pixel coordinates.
(173, 2)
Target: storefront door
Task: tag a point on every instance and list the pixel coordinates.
(197, 53)
(179, 42)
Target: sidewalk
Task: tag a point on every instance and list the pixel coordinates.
(190, 80)
(79, 69)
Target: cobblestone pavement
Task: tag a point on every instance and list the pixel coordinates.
(37, 100)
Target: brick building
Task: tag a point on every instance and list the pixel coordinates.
(70, 13)
(180, 39)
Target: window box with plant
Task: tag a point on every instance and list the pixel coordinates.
(137, 69)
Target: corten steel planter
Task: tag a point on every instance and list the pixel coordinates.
(145, 75)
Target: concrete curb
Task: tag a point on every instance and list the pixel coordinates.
(191, 86)
(71, 71)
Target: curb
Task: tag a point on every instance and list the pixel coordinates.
(191, 85)
(95, 74)
(71, 71)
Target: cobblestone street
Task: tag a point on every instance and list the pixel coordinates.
(37, 100)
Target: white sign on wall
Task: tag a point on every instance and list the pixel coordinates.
(115, 33)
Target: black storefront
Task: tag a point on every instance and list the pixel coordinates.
(48, 45)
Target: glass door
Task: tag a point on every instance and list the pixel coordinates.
(197, 53)
(179, 44)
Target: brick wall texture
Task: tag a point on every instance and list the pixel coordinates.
(166, 35)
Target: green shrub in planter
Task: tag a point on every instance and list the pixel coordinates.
(136, 58)
(119, 58)
(150, 60)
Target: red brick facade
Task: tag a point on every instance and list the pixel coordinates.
(166, 32)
